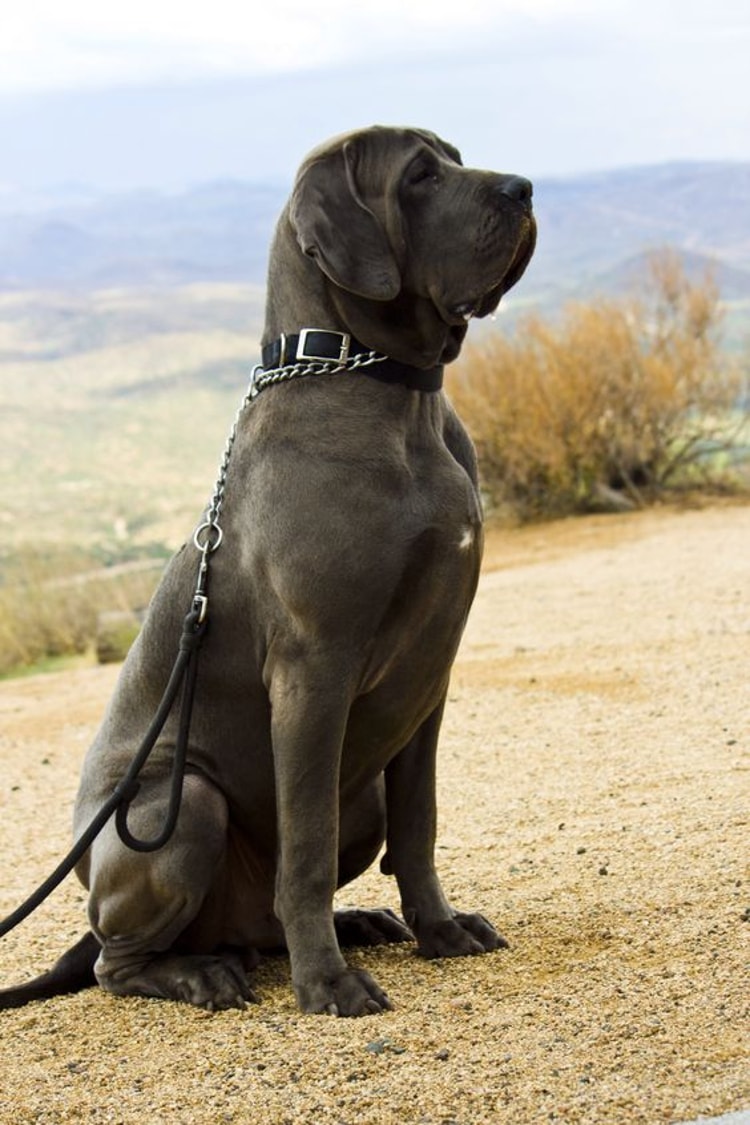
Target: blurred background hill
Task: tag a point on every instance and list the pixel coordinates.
(593, 229)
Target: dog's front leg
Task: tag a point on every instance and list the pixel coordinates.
(308, 723)
(412, 826)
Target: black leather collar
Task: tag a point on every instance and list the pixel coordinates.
(320, 345)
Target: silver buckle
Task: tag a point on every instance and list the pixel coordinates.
(302, 352)
(282, 350)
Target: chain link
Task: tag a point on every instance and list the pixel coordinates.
(208, 535)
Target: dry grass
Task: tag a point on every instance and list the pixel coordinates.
(629, 396)
(50, 608)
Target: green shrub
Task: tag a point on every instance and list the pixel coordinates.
(618, 398)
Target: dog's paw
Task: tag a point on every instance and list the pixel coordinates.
(215, 983)
(463, 935)
(352, 993)
(370, 927)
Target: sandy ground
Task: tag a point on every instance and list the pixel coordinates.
(595, 803)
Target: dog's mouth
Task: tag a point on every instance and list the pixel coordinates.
(487, 301)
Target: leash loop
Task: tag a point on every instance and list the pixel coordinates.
(183, 674)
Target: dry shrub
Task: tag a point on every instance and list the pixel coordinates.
(618, 398)
(50, 608)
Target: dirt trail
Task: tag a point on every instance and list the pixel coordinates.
(595, 803)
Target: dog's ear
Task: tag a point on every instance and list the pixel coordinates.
(336, 228)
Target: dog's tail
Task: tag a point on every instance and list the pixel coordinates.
(74, 971)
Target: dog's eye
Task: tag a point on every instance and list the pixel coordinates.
(422, 174)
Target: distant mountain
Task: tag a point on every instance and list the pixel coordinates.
(593, 232)
(628, 275)
(214, 232)
(594, 228)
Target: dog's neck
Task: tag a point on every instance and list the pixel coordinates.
(299, 295)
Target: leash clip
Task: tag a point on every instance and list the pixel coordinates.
(200, 606)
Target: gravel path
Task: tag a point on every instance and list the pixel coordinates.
(595, 803)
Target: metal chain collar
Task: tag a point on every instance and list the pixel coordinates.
(208, 535)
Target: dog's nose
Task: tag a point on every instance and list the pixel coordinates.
(517, 188)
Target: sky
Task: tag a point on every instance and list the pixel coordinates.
(48, 45)
(171, 92)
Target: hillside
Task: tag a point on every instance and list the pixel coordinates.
(592, 225)
(115, 409)
(213, 232)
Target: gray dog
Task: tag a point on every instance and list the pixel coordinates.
(351, 550)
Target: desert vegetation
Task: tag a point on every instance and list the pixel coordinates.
(613, 405)
(51, 609)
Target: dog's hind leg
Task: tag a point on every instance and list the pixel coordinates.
(440, 930)
(140, 903)
(358, 927)
(362, 833)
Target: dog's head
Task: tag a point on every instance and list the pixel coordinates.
(391, 216)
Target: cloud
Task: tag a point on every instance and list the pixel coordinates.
(84, 43)
(48, 45)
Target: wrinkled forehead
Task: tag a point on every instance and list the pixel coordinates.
(381, 149)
